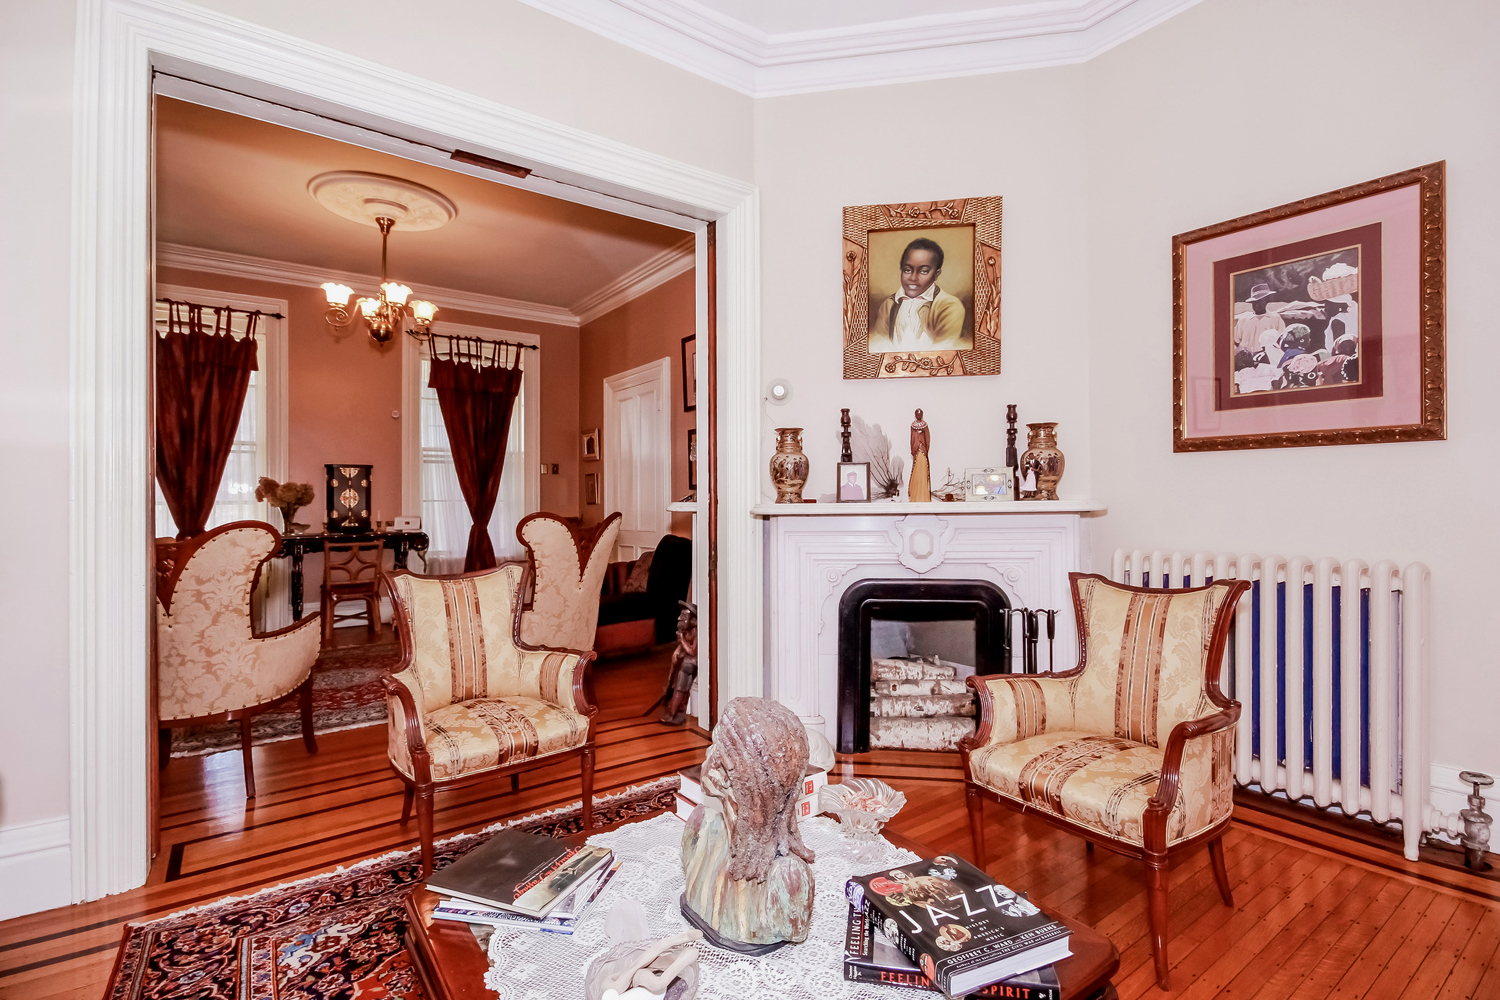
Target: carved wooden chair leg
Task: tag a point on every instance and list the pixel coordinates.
(304, 696)
(1156, 904)
(373, 618)
(976, 822)
(163, 746)
(407, 798)
(588, 787)
(1221, 872)
(424, 825)
(246, 745)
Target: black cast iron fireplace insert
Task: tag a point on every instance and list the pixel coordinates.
(976, 601)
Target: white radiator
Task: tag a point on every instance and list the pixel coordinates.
(1363, 727)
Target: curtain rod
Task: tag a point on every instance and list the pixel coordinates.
(483, 340)
(231, 309)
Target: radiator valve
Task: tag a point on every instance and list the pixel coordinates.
(1476, 838)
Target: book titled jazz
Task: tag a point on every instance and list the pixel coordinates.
(960, 927)
(870, 956)
(520, 872)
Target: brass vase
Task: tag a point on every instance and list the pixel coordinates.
(1043, 460)
(789, 465)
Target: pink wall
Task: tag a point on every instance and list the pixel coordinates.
(343, 390)
(644, 329)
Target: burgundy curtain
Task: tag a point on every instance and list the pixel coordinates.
(202, 374)
(476, 399)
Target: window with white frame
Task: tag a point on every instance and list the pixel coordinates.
(445, 515)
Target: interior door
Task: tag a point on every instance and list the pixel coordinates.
(638, 455)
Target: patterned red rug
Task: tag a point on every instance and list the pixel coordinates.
(330, 937)
(347, 694)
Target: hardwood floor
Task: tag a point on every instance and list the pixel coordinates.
(1315, 916)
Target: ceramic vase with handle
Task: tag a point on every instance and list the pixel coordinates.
(1043, 460)
(789, 466)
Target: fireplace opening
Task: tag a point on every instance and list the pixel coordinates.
(906, 649)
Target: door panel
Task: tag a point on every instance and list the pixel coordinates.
(637, 455)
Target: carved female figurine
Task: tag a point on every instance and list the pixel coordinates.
(920, 488)
(749, 887)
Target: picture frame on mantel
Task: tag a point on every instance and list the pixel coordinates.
(1320, 322)
(922, 289)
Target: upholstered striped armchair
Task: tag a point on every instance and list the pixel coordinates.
(1133, 748)
(470, 701)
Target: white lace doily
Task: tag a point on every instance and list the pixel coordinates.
(530, 965)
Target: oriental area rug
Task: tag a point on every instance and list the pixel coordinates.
(331, 936)
(347, 694)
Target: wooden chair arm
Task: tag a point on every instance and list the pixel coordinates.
(311, 619)
(397, 689)
(1171, 763)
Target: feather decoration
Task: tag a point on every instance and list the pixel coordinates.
(868, 443)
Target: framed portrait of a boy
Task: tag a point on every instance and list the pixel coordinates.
(922, 289)
(1319, 322)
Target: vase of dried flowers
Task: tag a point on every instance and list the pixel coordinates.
(287, 498)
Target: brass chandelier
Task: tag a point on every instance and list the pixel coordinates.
(386, 203)
(387, 314)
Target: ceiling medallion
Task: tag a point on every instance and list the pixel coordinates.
(386, 203)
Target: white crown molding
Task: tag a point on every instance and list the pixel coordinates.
(636, 282)
(704, 41)
(287, 273)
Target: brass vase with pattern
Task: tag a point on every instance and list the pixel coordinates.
(789, 466)
(1043, 460)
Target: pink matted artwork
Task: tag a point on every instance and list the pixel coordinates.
(1319, 322)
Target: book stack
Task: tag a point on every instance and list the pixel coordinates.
(690, 791)
(959, 928)
(870, 956)
(523, 880)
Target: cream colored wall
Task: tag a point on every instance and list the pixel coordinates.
(1019, 135)
(36, 66)
(1239, 105)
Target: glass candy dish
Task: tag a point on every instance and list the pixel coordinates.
(863, 805)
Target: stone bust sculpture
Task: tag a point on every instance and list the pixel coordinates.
(749, 887)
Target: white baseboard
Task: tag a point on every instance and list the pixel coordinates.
(36, 867)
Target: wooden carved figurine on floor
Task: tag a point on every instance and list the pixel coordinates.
(920, 488)
(749, 886)
(684, 666)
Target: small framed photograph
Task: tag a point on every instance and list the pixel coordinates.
(989, 484)
(854, 482)
(692, 458)
(690, 373)
(591, 445)
(591, 488)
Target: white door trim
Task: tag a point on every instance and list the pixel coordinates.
(660, 372)
(119, 43)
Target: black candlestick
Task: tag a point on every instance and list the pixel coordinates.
(1012, 461)
(846, 455)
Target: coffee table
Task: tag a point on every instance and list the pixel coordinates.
(451, 958)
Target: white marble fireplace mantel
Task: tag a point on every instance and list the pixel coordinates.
(817, 551)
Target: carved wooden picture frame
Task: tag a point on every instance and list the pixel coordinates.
(1318, 322)
(922, 289)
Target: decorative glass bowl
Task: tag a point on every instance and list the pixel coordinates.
(863, 805)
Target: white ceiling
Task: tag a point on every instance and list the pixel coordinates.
(776, 17)
(239, 186)
(769, 48)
